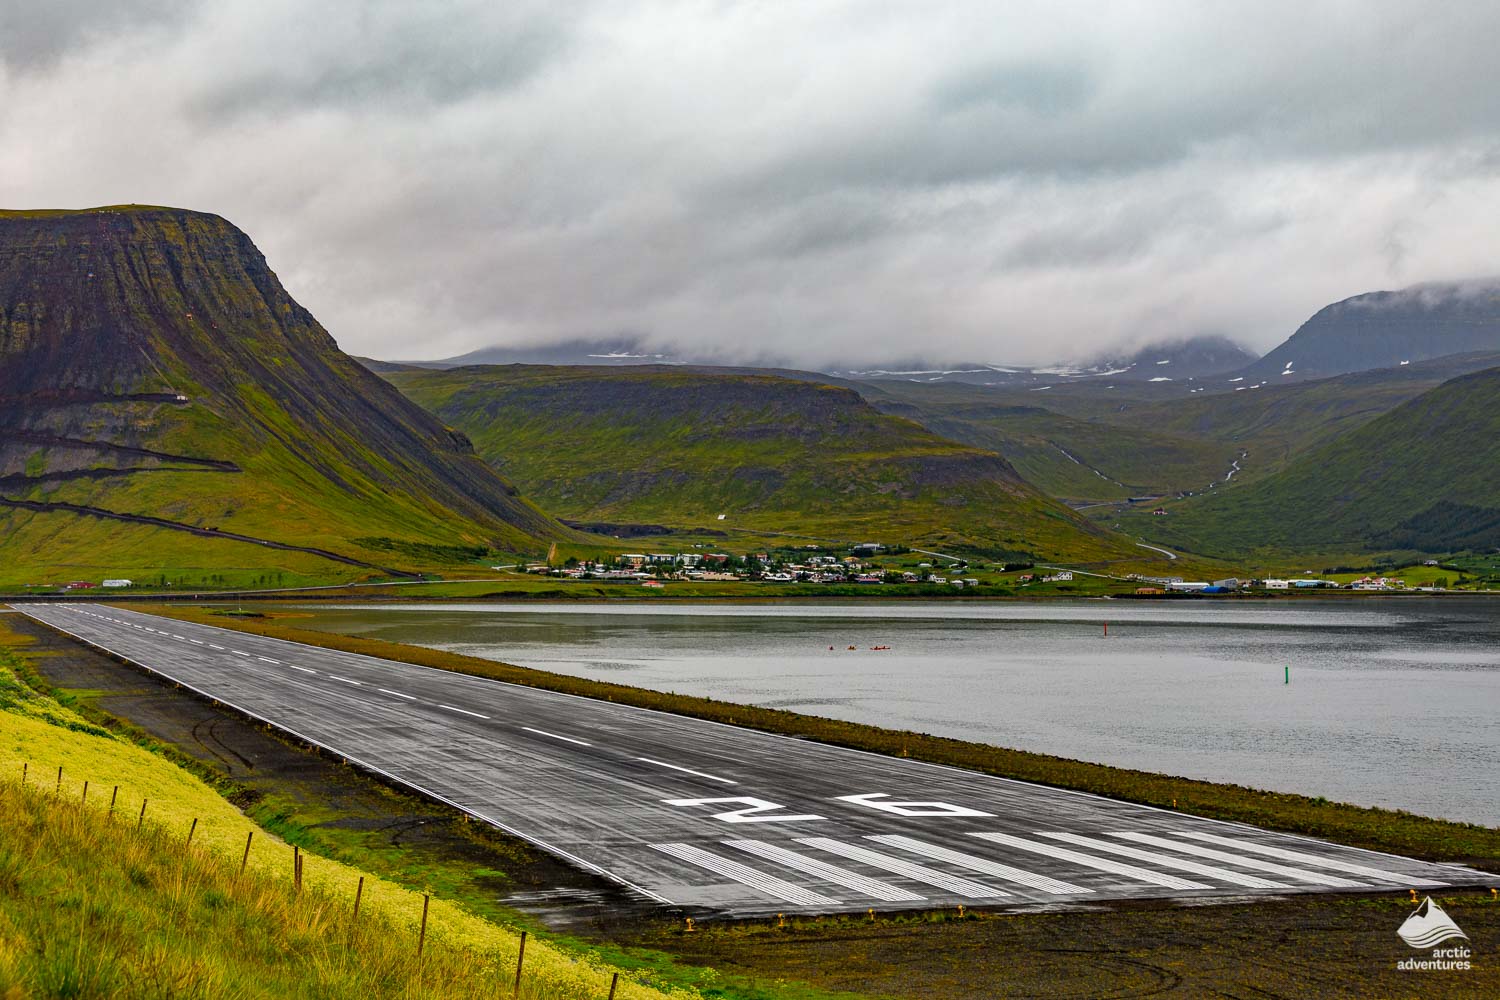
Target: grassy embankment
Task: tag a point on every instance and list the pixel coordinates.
(1376, 829)
(95, 901)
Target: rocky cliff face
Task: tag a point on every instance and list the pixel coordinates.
(140, 340)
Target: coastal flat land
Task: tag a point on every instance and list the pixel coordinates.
(722, 821)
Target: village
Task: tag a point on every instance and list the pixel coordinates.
(803, 566)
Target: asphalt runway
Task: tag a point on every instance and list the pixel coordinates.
(723, 821)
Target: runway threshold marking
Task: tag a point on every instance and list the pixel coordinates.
(1254, 864)
(565, 739)
(873, 888)
(684, 770)
(1315, 860)
(977, 864)
(1089, 861)
(1166, 861)
(904, 868)
(463, 711)
(745, 875)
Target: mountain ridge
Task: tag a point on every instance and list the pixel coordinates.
(152, 364)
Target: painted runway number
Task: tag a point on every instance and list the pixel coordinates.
(910, 808)
(755, 810)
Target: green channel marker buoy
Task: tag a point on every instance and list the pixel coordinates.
(1288, 679)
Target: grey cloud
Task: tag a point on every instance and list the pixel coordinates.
(814, 182)
(390, 55)
(35, 34)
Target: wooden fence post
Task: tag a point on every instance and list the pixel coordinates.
(520, 958)
(85, 799)
(245, 859)
(296, 868)
(359, 892)
(112, 796)
(25, 766)
(191, 830)
(422, 937)
(142, 818)
(613, 982)
(59, 781)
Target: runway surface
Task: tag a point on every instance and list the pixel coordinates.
(724, 821)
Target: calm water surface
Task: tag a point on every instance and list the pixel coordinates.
(1391, 702)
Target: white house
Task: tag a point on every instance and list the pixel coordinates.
(115, 584)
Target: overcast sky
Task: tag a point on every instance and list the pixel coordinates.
(813, 182)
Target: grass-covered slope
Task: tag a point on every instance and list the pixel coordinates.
(152, 365)
(771, 454)
(1420, 477)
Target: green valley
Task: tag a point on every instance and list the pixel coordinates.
(1418, 479)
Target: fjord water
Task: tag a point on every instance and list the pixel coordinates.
(1392, 702)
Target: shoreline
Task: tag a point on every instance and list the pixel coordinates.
(1378, 829)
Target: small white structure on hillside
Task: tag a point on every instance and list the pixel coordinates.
(116, 584)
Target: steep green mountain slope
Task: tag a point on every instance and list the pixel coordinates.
(160, 392)
(1421, 477)
(771, 454)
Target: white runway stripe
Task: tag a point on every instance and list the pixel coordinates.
(745, 875)
(904, 868)
(1167, 861)
(1254, 864)
(977, 864)
(1089, 861)
(1315, 860)
(826, 872)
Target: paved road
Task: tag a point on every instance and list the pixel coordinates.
(719, 820)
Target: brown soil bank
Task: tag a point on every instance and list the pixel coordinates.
(1303, 948)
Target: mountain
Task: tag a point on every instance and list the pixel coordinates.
(167, 409)
(1178, 360)
(1388, 329)
(770, 454)
(611, 351)
(1166, 361)
(1419, 477)
(1091, 440)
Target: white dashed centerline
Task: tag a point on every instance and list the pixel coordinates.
(565, 739)
(398, 694)
(684, 770)
(305, 670)
(267, 659)
(464, 711)
(346, 680)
